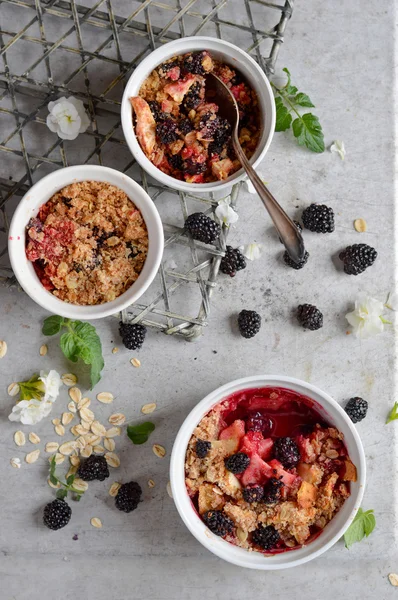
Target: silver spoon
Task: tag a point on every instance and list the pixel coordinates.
(218, 92)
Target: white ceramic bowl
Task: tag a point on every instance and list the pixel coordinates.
(333, 414)
(38, 195)
(231, 55)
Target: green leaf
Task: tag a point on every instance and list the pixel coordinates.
(393, 414)
(52, 325)
(77, 497)
(70, 346)
(70, 479)
(61, 494)
(90, 348)
(302, 100)
(139, 434)
(362, 526)
(53, 479)
(283, 117)
(308, 132)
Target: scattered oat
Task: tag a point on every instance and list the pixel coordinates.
(112, 432)
(105, 397)
(74, 460)
(59, 429)
(83, 403)
(43, 350)
(135, 362)
(32, 456)
(80, 485)
(360, 225)
(114, 350)
(85, 424)
(159, 450)
(13, 389)
(168, 488)
(59, 458)
(74, 430)
(16, 463)
(3, 348)
(241, 535)
(69, 379)
(117, 419)
(75, 394)
(151, 483)
(67, 417)
(393, 578)
(96, 522)
(115, 487)
(86, 451)
(67, 448)
(34, 438)
(72, 407)
(72, 471)
(98, 428)
(147, 409)
(51, 447)
(19, 438)
(56, 486)
(98, 450)
(56, 421)
(109, 444)
(92, 438)
(80, 443)
(112, 459)
(86, 414)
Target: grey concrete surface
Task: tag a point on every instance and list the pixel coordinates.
(342, 55)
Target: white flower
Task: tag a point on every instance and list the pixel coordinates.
(252, 251)
(392, 301)
(339, 148)
(52, 383)
(366, 319)
(30, 412)
(225, 213)
(67, 118)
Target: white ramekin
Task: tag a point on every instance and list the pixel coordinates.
(231, 55)
(38, 195)
(333, 414)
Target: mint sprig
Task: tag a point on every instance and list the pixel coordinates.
(139, 434)
(362, 526)
(65, 486)
(306, 128)
(393, 414)
(79, 341)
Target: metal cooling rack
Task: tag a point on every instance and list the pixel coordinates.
(51, 48)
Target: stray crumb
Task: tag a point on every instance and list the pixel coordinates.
(214, 351)
(114, 350)
(135, 362)
(75, 537)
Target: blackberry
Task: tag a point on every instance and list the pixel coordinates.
(167, 66)
(167, 131)
(318, 218)
(94, 468)
(66, 201)
(286, 451)
(193, 63)
(128, 496)
(272, 491)
(218, 522)
(290, 263)
(185, 126)
(257, 422)
(253, 493)
(175, 161)
(232, 262)
(309, 316)
(202, 448)
(202, 228)
(298, 225)
(155, 109)
(249, 323)
(192, 98)
(356, 408)
(132, 334)
(193, 167)
(266, 537)
(357, 258)
(209, 124)
(56, 514)
(237, 463)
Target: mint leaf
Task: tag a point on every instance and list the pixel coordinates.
(61, 494)
(362, 526)
(70, 479)
(283, 117)
(52, 325)
(139, 434)
(303, 100)
(69, 346)
(393, 414)
(308, 132)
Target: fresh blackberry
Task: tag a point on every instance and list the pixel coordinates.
(232, 262)
(253, 493)
(318, 218)
(298, 225)
(290, 263)
(266, 537)
(249, 323)
(356, 408)
(202, 228)
(94, 468)
(202, 448)
(175, 161)
(132, 334)
(272, 491)
(185, 126)
(218, 522)
(192, 98)
(155, 109)
(193, 167)
(309, 316)
(286, 451)
(257, 422)
(56, 514)
(357, 258)
(128, 496)
(209, 124)
(237, 463)
(167, 131)
(167, 66)
(193, 63)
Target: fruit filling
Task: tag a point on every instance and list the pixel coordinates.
(265, 471)
(181, 132)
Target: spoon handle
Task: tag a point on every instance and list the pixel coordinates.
(285, 227)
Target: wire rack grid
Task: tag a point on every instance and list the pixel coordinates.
(51, 48)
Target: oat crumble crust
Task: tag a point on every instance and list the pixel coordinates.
(88, 244)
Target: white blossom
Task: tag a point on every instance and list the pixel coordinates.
(30, 412)
(339, 148)
(225, 213)
(366, 319)
(252, 251)
(67, 117)
(52, 383)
